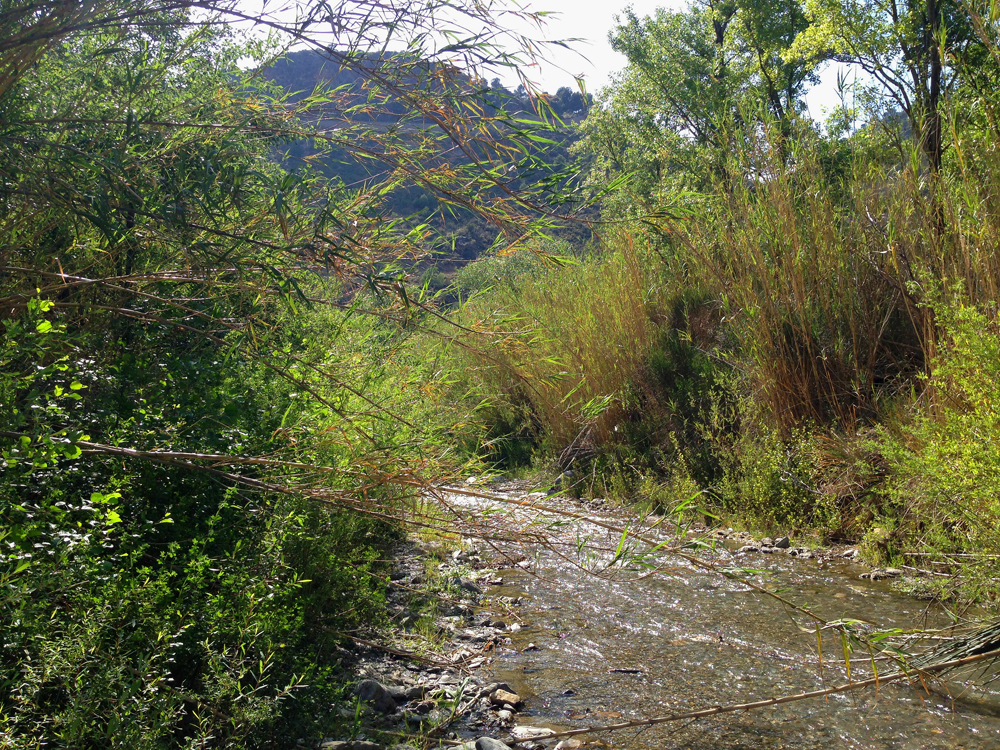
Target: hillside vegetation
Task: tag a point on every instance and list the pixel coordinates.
(227, 381)
(211, 427)
(793, 322)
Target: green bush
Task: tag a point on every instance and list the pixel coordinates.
(945, 463)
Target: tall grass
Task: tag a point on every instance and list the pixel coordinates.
(788, 346)
(572, 338)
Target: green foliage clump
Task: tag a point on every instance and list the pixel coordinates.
(945, 461)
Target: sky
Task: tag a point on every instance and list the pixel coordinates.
(589, 21)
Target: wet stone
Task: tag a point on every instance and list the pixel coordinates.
(488, 743)
(483, 743)
(530, 733)
(782, 542)
(500, 697)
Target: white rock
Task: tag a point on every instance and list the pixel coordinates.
(530, 733)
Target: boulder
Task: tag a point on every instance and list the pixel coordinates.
(464, 584)
(782, 542)
(375, 693)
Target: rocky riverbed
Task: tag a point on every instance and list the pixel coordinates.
(524, 648)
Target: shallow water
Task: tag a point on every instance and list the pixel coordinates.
(699, 640)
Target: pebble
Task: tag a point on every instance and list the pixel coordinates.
(531, 647)
(569, 744)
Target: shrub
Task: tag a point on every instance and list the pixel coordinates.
(945, 462)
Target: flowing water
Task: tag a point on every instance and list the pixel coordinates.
(697, 640)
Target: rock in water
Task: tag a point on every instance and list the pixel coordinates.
(375, 692)
(530, 733)
(782, 542)
(483, 743)
(501, 696)
(488, 743)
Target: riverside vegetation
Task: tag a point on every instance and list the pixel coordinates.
(222, 396)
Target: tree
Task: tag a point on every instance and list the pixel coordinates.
(196, 465)
(911, 50)
(698, 80)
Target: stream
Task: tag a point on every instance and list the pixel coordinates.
(696, 639)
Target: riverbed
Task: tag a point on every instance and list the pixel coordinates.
(604, 646)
